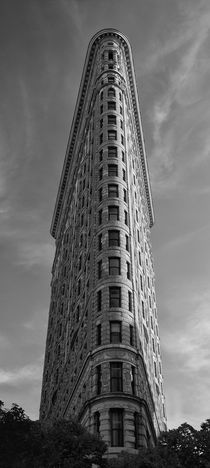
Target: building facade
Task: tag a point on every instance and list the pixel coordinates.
(102, 361)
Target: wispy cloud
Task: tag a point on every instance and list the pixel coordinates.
(29, 373)
(34, 253)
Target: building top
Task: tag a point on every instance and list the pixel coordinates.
(78, 115)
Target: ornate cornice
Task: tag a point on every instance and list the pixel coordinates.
(78, 115)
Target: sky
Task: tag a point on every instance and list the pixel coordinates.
(42, 47)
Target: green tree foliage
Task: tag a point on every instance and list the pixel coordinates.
(61, 444)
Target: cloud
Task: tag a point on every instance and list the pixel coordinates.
(31, 254)
(28, 373)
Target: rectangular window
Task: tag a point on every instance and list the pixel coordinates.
(139, 258)
(137, 429)
(133, 380)
(122, 139)
(113, 213)
(101, 138)
(99, 300)
(131, 335)
(99, 269)
(98, 380)
(114, 296)
(141, 282)
(101, 123)
(111, 79)
(123, 156)
(111, 55)
(98, 334)
(129, 301)
(116, 420)
(121, 124)
(101, 155)
(100, 242)
(102, 95)
(111, 105)
(138, 235)
(120, 96)
(127, 243)
(114, 266)
(125, 195)
(128, 270)
(100, 217)
(101, 173)
(123, 174)
(115, 332)
(114, 238)
(112, 170)
(96, 422)
(100, 194)
(111, 92)
(142, 308)
(112, 152)
(101, 109)
(112, 119)
(112, 135)
(126, 217)
(121, 110)
(113, 191)
(116, 377)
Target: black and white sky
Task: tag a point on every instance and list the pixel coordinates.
(43, 46)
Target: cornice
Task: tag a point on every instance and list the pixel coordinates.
(78, 115)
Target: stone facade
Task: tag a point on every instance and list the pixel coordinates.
(102, 361)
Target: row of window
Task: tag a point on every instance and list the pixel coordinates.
(116, 378)
(115, 333)
(111, 105)
(113, 214)
(112, 135)
(114, 267)
(110, 93)
(112, 171)
(113, 192)
(115, 299)
(111, 120)
(112, 153)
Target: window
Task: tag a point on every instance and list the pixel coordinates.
(112, 152)
(111, 67)
(101, 109)
(121, 110)
(114, 266)
(133, 380)
(100, 194)
(128, 270)
(139, 258)
(129, 301)
(116, 419)
(99, 300)
(102, 95)
(112, 170)
(113, 191)
(112, 135)
(101, 123)
(99, 269)
(122, 140)
(111, 105)
(123, 174)
(113, 213)
(125, 195)
(126, 217)
(100, 242)
(112, 120)
(127, 243)
(100, 217)
(123, 156)
(116, 377)
(101, 155)
(138, 235)
(114, 238)
(111, 79)
(80, 262)
(101, 173)
(110, 55)
(98, 380)
(121, 124)
(101, 138)
(141, 282)
(142, 308)
(115, 332)
(120, 96)
(137, 216)
(137, 428)
(96, 422)
(131, 335)
(114, 296)
(98, 334)
(79, 287)
(111, 92)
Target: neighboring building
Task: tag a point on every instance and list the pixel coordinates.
(102, 360)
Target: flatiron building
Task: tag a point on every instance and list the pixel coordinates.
(102, 360)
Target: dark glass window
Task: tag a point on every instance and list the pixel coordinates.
(112, 120)
(101, 109)
(126, 217)
(99, 269)
(114, 296)
(122, 139)
(100, 217)
(125, 195)
(102, 95)
(101, 155)
(98, 334)
(113, 213)
(101, 123)
(112, 152)
(123, 156)
(99, 300)
(101, 138)
(129, 301)
(116, 382)
(98, 380)
(100, 173)
(128, 270)
(131, 335)
(96, 422)
(141, 282)
(116, 419)
(133, 380)
(142, 307)
(121, 110)
(127, 243)
(114, 266)
(112, 135)
(123, 174)
(100, 242)
(113, 191)
(112, 170)
(115, 332)
(111, 105)
(121, 124)
(111, 92)
(100, 194)
(120, 96)
(111, 79)
(114, 238)
(111, 55)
